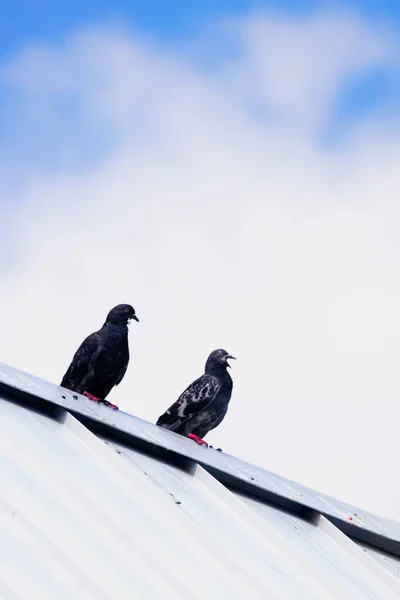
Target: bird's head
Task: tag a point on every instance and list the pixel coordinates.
(121, 314)
(217, 359)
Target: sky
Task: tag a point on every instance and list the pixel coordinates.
(231, 170)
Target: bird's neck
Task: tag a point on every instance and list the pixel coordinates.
(118, 329)
(217, 371)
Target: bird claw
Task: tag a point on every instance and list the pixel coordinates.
(90, 397)
(217, 449)
(100, 401)
(198, 440)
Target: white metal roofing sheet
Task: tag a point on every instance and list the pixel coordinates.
(85, 518)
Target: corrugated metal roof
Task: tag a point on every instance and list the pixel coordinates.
(98, 504)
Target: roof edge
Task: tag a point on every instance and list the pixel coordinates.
(39, 394)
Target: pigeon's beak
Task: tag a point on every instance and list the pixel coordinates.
(229, 357)
(135, 318)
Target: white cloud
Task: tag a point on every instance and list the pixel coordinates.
(300, 65)
(224, 231)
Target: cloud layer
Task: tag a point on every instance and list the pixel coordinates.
(203, 195)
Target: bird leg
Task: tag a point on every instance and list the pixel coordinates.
(196, 439)
(91, 397)
(100, 401)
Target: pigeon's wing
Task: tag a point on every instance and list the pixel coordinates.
(109, 382)
(81, 370)
(193, 400)
(124, 366)
(112, 366)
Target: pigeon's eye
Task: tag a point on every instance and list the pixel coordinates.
(127, 310)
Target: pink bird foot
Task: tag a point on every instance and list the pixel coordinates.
(100, 401)
(198, 440)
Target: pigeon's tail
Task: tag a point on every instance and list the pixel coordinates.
(70, 384)
(166, 422)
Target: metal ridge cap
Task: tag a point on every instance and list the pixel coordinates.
(228, 469)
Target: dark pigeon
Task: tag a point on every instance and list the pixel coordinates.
(203, 405)
(101, 360)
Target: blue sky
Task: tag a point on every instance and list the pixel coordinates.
(176, 22)
(23, 21)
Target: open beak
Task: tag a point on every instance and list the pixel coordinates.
(231, 358)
